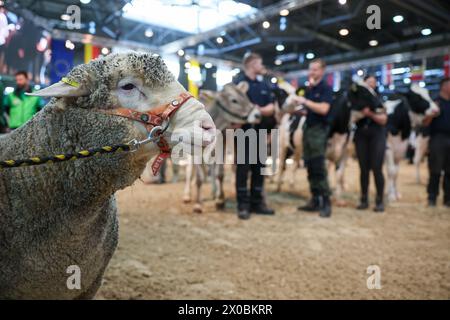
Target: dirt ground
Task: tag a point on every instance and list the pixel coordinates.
(167, 252)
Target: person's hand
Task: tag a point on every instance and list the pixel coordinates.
(299, 100)
(366, 112)
(435, 113)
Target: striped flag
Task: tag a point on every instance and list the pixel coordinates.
(90, 52)
(447, 65)
(386, 74)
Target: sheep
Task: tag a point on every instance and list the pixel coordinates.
(53, 217)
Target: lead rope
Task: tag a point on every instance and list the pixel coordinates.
(154, 136)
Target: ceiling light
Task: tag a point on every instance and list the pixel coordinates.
(422, 84)
(219, 40)
(398, 19)
(65, 17)
(85, 1)
(360, 73)
(279, 47)
(344, 32)
(284, 12)
(426, 32)
(181, 52)
(266, 24)
(208, 65)
(278, 62)
(373, 43)
(310, 55)
(407, 81)
(274, 80)
(105, 51)
(149, 33)
(187, 65)
(342, 2)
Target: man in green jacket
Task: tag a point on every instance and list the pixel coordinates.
(19, 106)
(3, 123)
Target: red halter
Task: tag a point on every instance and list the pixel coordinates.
(155, 118)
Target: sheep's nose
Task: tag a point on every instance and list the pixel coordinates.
(208, 131)
(258, 116)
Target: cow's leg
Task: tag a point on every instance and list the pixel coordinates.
(420, 152)
(199, 178)
(391, 172)
(282, 167)
(187, 186)
(220, 195)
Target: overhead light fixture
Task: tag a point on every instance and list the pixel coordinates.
(85, 1)
(65, 17)
(279, 47)
(266, 24)
(373, 43)
(342, 2)
(310, 55)
(407, 81)
(284, 12)
(426, 32)
(219, 40)
(344, 32)
(274, 80)
(187, 65)
(398, 19)
(69, 45)
(278, 62)
(149, 33)
(208, 65)
(181, 52)
(422, 84)
(105, 51)
(360, 73)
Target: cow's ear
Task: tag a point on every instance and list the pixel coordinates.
(207, 94)
(243, 86)
(61, 89)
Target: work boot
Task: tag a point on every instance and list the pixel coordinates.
(324, 207)
(379, 205)
(311, 206)
(262, 208)
(363, 204)
(243, 212)
(431, 203)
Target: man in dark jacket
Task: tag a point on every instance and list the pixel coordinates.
(439, 155)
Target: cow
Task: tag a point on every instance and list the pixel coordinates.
(405, 112)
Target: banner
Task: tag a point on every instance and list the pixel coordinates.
(447, 65)
(90, 52)
(386, 74)
(62, 60)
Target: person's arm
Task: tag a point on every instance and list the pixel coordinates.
(379, 118)
(321, 108)
(429, 118)
(267, 110)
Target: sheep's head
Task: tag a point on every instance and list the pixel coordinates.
(139, 81)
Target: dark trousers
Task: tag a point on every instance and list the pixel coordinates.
(314, 148)
(370, 143)
(245, 199)
(438, 162)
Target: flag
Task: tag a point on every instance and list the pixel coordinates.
(90, 52)
(386, 74)
(447, 65)
(62, 60)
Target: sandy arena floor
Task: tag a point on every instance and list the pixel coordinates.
(167, 252)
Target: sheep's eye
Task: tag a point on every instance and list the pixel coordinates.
(128, 86)
(234, 101)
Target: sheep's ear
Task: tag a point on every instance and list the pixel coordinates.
(61, 89)
(207, 94)
(243, 86)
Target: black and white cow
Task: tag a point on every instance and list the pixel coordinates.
(405, 112)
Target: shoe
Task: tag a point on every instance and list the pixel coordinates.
(447, 203)
(379, 207)
(243, 214)
(311, 206)
(363, 204)
(432, 203)
(262, 209)
(325, 207)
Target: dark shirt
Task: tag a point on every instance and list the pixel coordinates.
(260, 93)
(441, 124)
(368, 122)
(322, 92)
